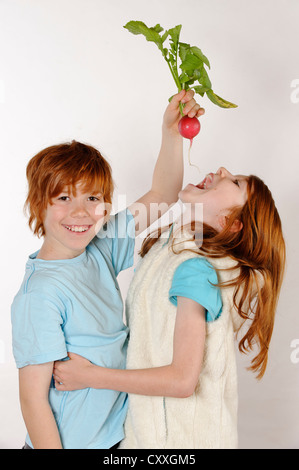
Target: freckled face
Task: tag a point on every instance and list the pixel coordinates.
(219, 192)
(71, 222)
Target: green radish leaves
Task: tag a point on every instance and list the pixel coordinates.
(219, 101)
(193, 73)
(151, 34)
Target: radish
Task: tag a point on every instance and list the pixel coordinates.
(189, 127)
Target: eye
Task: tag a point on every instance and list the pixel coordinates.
(237, 182)
(63, 198)
(93, 198)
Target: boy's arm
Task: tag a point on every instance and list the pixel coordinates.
(168, 173)
(177, 379)
(34, 382)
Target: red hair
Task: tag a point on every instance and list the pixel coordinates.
(258, 247)
(60, 166)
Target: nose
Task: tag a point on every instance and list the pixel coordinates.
(79, 210)
(223, 172)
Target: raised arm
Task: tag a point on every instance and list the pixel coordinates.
(34, 382)
(169, 169)
(177, 379)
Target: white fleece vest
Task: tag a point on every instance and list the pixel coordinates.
(207, 419)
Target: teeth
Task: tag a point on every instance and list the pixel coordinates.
(208, 179)
(76, 228)
(203, 184)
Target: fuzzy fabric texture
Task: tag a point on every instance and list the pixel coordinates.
(207, 419)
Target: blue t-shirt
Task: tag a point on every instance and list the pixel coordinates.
(194, 279)
(75, 305)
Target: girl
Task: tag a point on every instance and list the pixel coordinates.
(188, 298)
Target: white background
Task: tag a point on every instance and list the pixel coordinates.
(68, 70)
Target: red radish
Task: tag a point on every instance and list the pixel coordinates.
(189, 127)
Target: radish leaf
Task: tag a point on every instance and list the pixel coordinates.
(192, 59)
(219, 101)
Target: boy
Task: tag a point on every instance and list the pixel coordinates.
(69, 300)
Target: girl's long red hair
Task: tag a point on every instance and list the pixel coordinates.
(259, 250)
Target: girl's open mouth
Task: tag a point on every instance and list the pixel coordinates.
(206, 182)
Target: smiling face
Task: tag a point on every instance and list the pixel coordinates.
(219, 192)
(71, 221)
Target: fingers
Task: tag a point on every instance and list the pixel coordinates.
(56, 372)
(73, 355)
(196, 110)
(175, 99)
(183, 96)
(59, 386)
(188, 96)
(191, 107)
(56, 376)
(57, 379)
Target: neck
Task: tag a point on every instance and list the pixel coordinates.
(49, 253)
(189, 213)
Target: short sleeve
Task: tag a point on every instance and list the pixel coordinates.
(37, 334)
(194, 279)
(119, 235)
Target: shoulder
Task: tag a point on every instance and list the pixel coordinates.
(116, 241)
(120, 228)
(195, 274)
(42, 282)
(196, 267)
(196, 279)
(39, 290)
(119, 225)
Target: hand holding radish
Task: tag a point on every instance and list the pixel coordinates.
(188, 125)
(191, 110)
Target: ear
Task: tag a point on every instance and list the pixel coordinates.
(236, 227)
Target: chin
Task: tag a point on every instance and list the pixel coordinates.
(181, 194)
(184, 194)
(182, 197)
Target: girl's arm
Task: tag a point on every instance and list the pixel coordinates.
(168, 172)
(177, 379)
(34, 382)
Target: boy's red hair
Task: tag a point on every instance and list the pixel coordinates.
(60, 166)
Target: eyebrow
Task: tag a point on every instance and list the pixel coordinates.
(68, 190)
(65, 191)
(95, 193)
